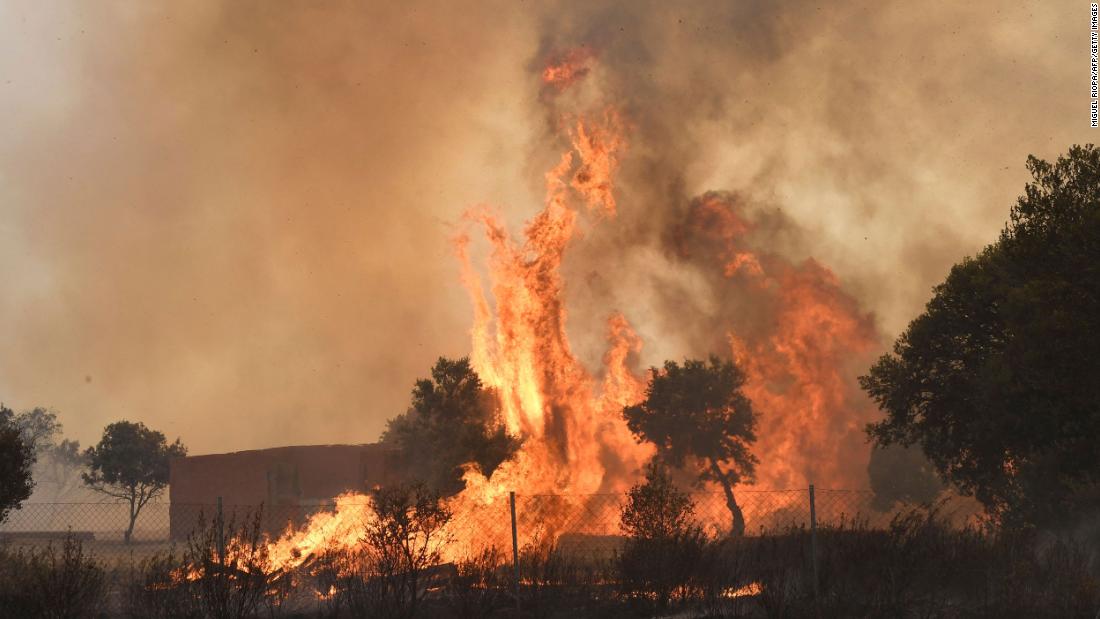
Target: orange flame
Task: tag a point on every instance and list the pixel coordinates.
(566, 68)
(802, 364)
(522, 350)
(575, 440)
(598, 147)
(575, 443)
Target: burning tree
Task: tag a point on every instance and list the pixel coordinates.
(697, 411)
(130, 463)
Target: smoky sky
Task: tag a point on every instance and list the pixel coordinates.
(233, 221)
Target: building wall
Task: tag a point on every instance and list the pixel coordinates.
(289, 482)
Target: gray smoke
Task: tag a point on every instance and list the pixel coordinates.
(232, 221)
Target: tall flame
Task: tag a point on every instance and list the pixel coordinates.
(801, 364)
(520, 346)
(576, 442)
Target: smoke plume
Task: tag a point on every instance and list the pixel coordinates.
(234, 221)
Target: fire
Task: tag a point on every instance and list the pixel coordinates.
(567, 67)
(338, 530)
(598, 147)
(575, 440)
(749, 590)
(801, 362)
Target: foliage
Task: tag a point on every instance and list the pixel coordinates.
(402, 545)
(663, 544)
(130, 463)
(901, 474)
(454, 420)
(996, 380)
(222, 574)
(918, 566)
(478, 588)
(60, 469)
(231, 560)
(40, 428)
(51, 582)
(158, 592)
(16, 462)
(698, 411)
(58, 462)
(556, 581)
(656, 509)
(922, 566)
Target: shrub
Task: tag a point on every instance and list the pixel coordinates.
(51, 582)
(663, 545)
(558, 582)
(231, 562)
(161, 591)
(478, 588)
(402, 543)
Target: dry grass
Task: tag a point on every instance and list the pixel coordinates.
(918, 567)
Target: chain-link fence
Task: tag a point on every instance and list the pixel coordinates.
(577, 523)
(805, 552)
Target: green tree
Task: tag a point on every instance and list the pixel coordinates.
(130, 463)
(656, 508)
(454, 420)
(16, 461)
(697, 412)
(997, 379)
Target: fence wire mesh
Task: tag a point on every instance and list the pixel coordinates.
(578, 523)
(570, 555)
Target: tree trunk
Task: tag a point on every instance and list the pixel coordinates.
(738, 525)
(133, 518)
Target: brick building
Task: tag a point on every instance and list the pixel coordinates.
(289, 482)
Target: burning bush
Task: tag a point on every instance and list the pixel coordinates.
(224, 573)
(391, 568)
(159, 592)
(230, 559)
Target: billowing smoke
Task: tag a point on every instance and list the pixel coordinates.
(233, 221)
(759, 269)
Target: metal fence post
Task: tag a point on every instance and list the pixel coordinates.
(515, 546)
(221, 533)
(813, 541)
